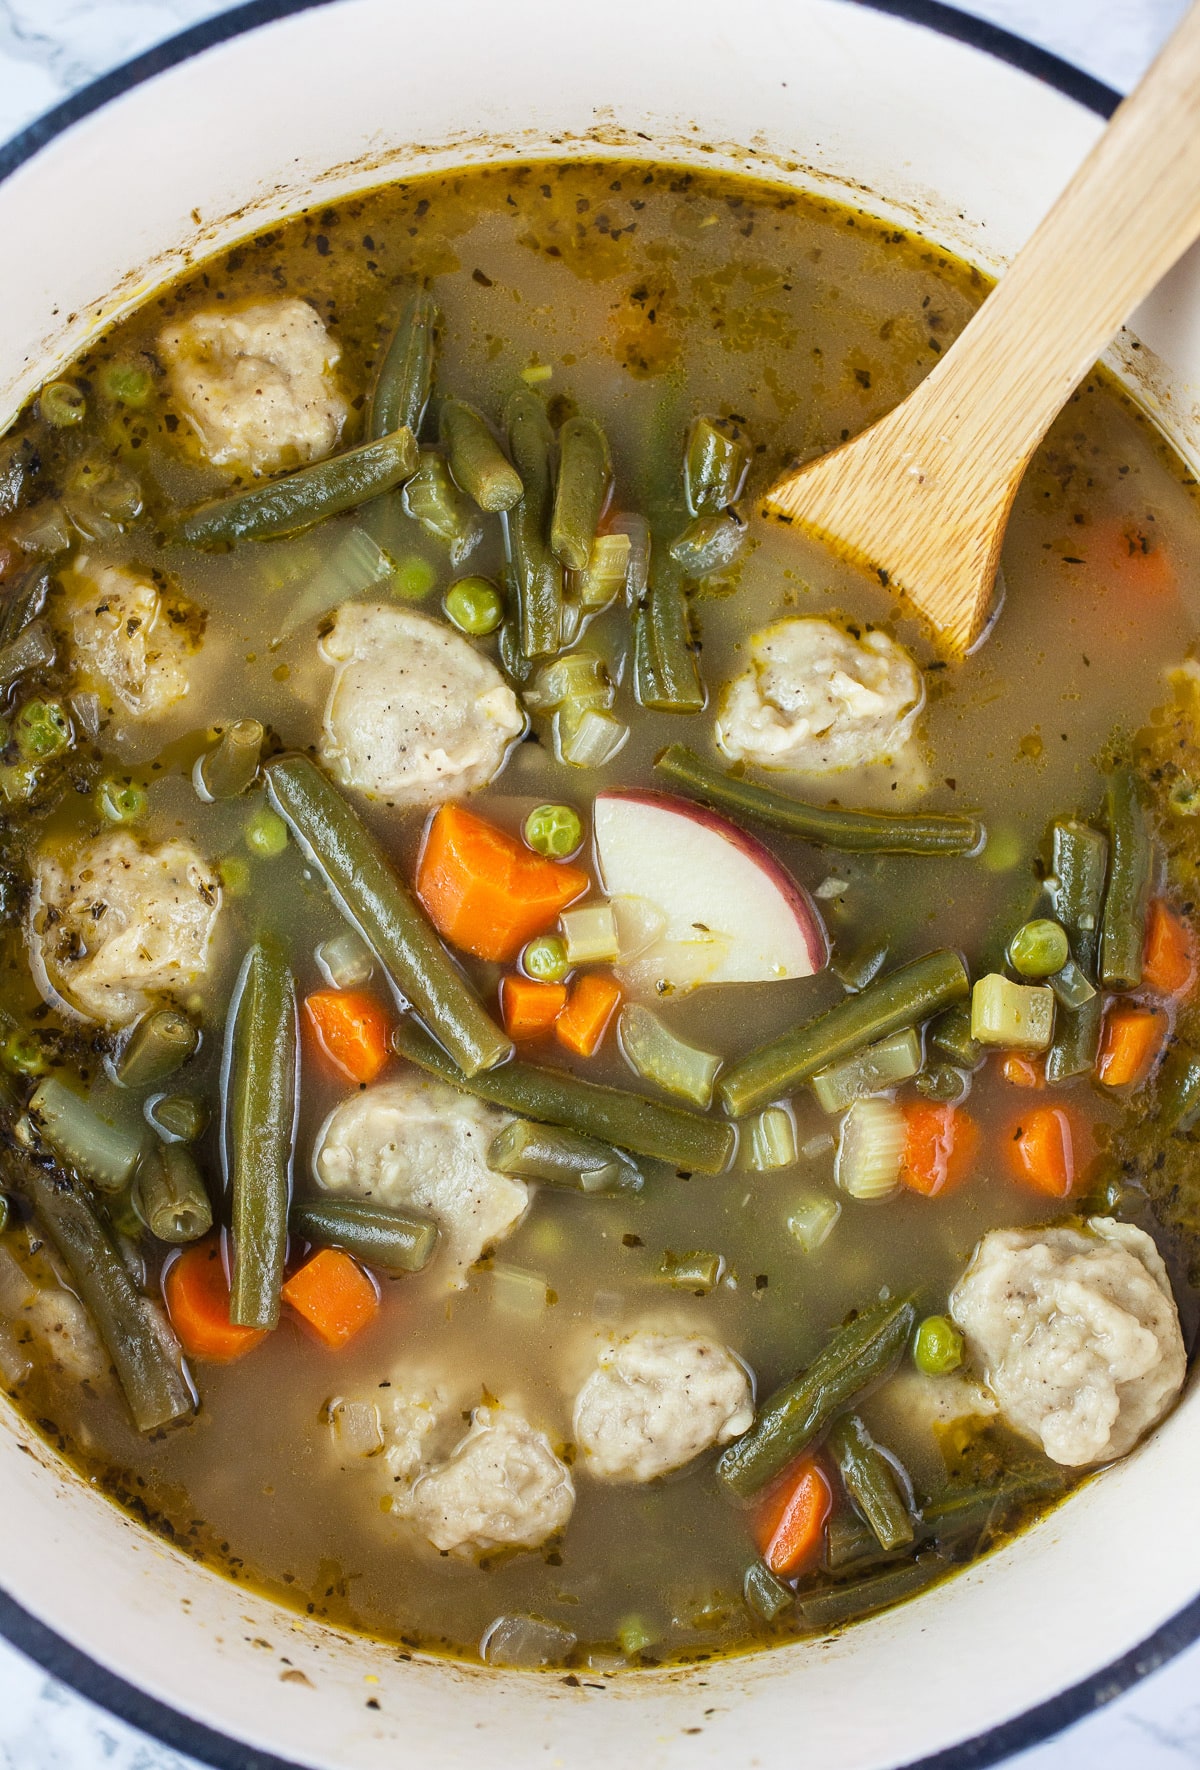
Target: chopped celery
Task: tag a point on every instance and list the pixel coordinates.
(519, 1293)
(432, 499)
(811, 1220)
(577, 679)
(694, 1271)
(1018, 1016)
(882, 1065)
(657, 1055)
(590, 934)
(603, 578)
(770, 1139)
(639, 924)
(871, 1149)
(590, 740)
(101, 1149)
(637, 573)
(352, 565)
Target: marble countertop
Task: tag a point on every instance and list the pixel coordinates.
(49, 48)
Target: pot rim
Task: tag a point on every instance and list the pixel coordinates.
(18, 1626)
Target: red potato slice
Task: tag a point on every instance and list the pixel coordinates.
(731, 913)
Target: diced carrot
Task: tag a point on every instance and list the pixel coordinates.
(333, 1294)
(1169, 961)
(197, 1293)
(939, 1146)
(791, 1519)
(1022, 1072)
(351, 1029)
(530, 1008)
(484, 890)
(1043, 1151)
(1131, 1044)
(1133, 554)
(584, 1021)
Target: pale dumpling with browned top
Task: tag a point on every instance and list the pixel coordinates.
(655, 1400)
(132, 635)
(257, 383)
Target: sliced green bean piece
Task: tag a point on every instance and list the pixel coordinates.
(405, 376)
(1080, 867)
(645, 1127)
(260, 1132)
(1123, 930)
(102, 1150)
(161, 1043)
(708, 544)
(956, 1522)
(859, 968)
(765, 1595)
(395, 1241)
(178, 1118)
(696, 1271)
(582, 491)
(855, 832)
(309, 495)
(859, 1355)
(477, 461)
(910, 994)
(875, 1068)
(143, 1350)
(824, 1610)
(871, 1482)
(1177, 1090)
(714, 467)
(559, 1157)
(666, 671)
(231, 767)
(434, 501)
(950, 1033)
(171, 1195)
(537, 573)
(372, 897)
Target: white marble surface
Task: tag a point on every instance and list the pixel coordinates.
(48, 48)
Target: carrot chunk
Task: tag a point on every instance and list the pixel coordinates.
(197, 1294)
(1134, 556)
(791, 1520)
(1042, 1151)
(530, 1008)
(351, 1030)
(1022, 1072)
(939, 1146)
(1169, 961)
(584, 1021)
(485, 891)
(1131, 1045)
(333, 1294)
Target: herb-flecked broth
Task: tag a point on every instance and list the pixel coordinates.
(640, 296)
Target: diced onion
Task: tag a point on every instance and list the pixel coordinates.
(344, 960)
(812, 1219)
(639, 925)
(590, 934)
(871, 1149)
(356, 1428)
(524, 1644)
(518, 1293)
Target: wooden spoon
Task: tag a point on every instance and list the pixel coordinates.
(922, 497)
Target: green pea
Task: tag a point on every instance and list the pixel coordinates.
(41, 730)
(546, 959)
(62, 405)
(554, 830)
(234, 873)
(413, 577)
(121, 802)
(266, 834)
(25, 1054)
(938, 1346)
(127, 385)
(475, 606)
(1039, 948)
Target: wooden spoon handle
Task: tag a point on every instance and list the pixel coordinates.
(1129, 212)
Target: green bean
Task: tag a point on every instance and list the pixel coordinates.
(299, 499)
(912, 993)
(942, 1081)
(141, 1346)
(857, 969)
(395, 1241)
(537, 573)
(822, 1611)
(956, 1522)
(858, 1356)
(666, 672)
(161, 1043)
(171, 1195)
(697, 1271)
(1177, 1091)
(405, 376)
(855, 832)
(1123, 930)
(477, 461)
(104, 1151)
(765, 1595)
(870, 1480)
(562, 1158)
(178, 1118)
(950, 1033)
(231, 767)
(260, 1108)
(434, 501)
(645, 1127)
(582, 491)
(31, 649)
(1079, 862)
(371, 896)
(708, 544)
(714, 467)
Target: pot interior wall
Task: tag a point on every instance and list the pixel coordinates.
(826, 94)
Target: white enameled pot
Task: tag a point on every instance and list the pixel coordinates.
(915, 113)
